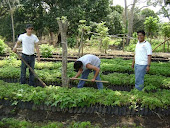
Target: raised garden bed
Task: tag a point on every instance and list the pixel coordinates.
(113, 110)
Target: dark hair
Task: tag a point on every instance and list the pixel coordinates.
(77, 65)
(141, 31)
(29, 26)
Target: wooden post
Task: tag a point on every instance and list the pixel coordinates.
(81, 45)
(63, 26)
(164, 46)
(168, 46)
(123, 43)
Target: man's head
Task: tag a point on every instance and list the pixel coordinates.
(29, 28)
(77, 65)
(141, 35)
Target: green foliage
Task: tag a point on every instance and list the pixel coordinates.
(83, 30)
(42, 14)
(102, 34)
(16, 123)
(46, 50)
(148, 12)
(3, 47)
(151, 25)
(115, 23)
(101, 29)
(71, 41)
(74, 97)
(158, 75)
(166, 29)
(105, 42)
(117, 8)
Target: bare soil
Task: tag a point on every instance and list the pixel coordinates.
(104, 121)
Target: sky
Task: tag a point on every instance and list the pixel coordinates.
(140, 4)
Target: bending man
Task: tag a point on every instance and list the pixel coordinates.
(84, 65)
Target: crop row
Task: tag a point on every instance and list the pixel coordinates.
(85, 97)
(151, 81)
(109, 66)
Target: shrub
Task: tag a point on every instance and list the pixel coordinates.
(71, 41)
(46, 50)
(3, 47)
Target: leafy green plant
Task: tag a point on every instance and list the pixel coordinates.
(71, 41)
(46, 50)
(74, 97)
(3, 47)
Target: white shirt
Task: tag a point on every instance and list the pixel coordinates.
(28, 43)
(142, 51)
(89, 59)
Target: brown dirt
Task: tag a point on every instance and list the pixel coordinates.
(104, 121)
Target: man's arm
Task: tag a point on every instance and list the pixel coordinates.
(78, 74)
(149, 63)
(16, 45)
(38, 52)
(89, 66)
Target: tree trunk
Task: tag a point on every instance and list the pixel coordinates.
(123, 43)
(63, 26)
(100, 43)
(130, 24)
(126, 20)
(51, 38)
(164, 45)
(81, 45)
(12, 21)
(168, 46)
(126, 16)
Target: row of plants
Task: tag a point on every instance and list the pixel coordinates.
(107, 66)
(68, 98)
(16, 123)
(12, 59)
(152, 81)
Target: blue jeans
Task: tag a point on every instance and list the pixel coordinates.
(85, 76)
(140, 71)
(30, 60)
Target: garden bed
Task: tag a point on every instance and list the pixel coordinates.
(97, 108)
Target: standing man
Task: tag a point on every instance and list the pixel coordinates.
(142, 59)
(84, 65)
(28, 41)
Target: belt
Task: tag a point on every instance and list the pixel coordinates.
(28, 55)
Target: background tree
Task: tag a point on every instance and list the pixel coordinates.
(102, 33)
(140, 17)
(114, 20)
(151, 26)
(83, 30)
(11, 4)
(166, 33)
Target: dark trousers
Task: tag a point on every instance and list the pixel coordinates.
(30, 60)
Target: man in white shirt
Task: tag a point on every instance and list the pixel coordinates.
(84, 65)
(28, 41)
(142, 60)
